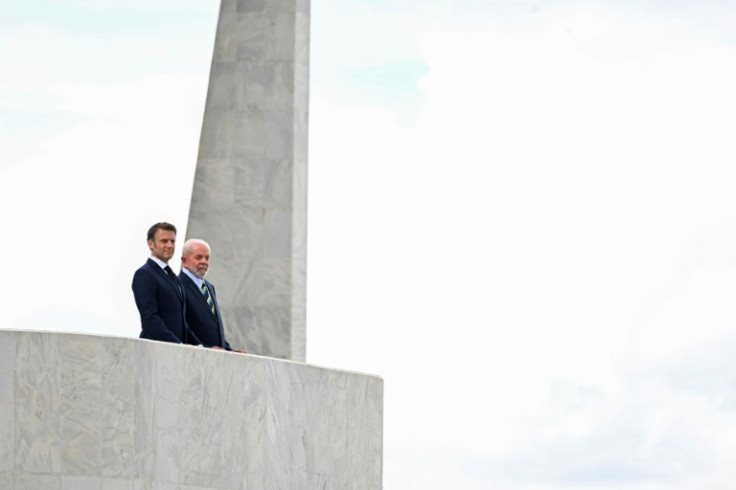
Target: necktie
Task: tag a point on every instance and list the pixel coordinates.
(172, 277)
(208, 298)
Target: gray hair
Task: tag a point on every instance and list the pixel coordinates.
(191, 242)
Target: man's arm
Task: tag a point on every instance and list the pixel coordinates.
(144, 291)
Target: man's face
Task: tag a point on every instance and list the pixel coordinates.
(162, 245)
(197, 261)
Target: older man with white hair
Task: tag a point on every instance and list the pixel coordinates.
(202, 312)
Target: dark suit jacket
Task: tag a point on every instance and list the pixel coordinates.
(206, 326)
(162, 304)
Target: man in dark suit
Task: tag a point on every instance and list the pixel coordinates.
(158, 294)
(203, 313)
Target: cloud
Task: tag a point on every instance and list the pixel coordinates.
(662, 428)
(557, 193)
(88, 190)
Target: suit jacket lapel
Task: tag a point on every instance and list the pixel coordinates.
(214, 300)
(170, 279)
(197, 293)
(218, 314)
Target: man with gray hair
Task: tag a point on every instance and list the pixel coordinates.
(202, 312)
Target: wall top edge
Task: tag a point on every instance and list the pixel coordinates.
(167, 345)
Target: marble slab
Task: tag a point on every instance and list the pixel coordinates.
(38, 403)
(6, 480)
(7, 407)
(29, 481)
(105, 413)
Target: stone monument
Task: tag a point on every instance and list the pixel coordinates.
(250, 188)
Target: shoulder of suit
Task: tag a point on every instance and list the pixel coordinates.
(146, 267)
(150, 264)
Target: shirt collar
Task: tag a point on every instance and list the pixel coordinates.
(160, 262)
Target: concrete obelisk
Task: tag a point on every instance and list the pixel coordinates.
(250, 187)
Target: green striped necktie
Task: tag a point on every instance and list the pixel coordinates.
(206, 293)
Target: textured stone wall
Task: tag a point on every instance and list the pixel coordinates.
(81, 412)
(249, 199)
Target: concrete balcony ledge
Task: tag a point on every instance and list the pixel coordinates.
(81, 412)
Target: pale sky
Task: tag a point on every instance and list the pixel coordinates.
(521, 215)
